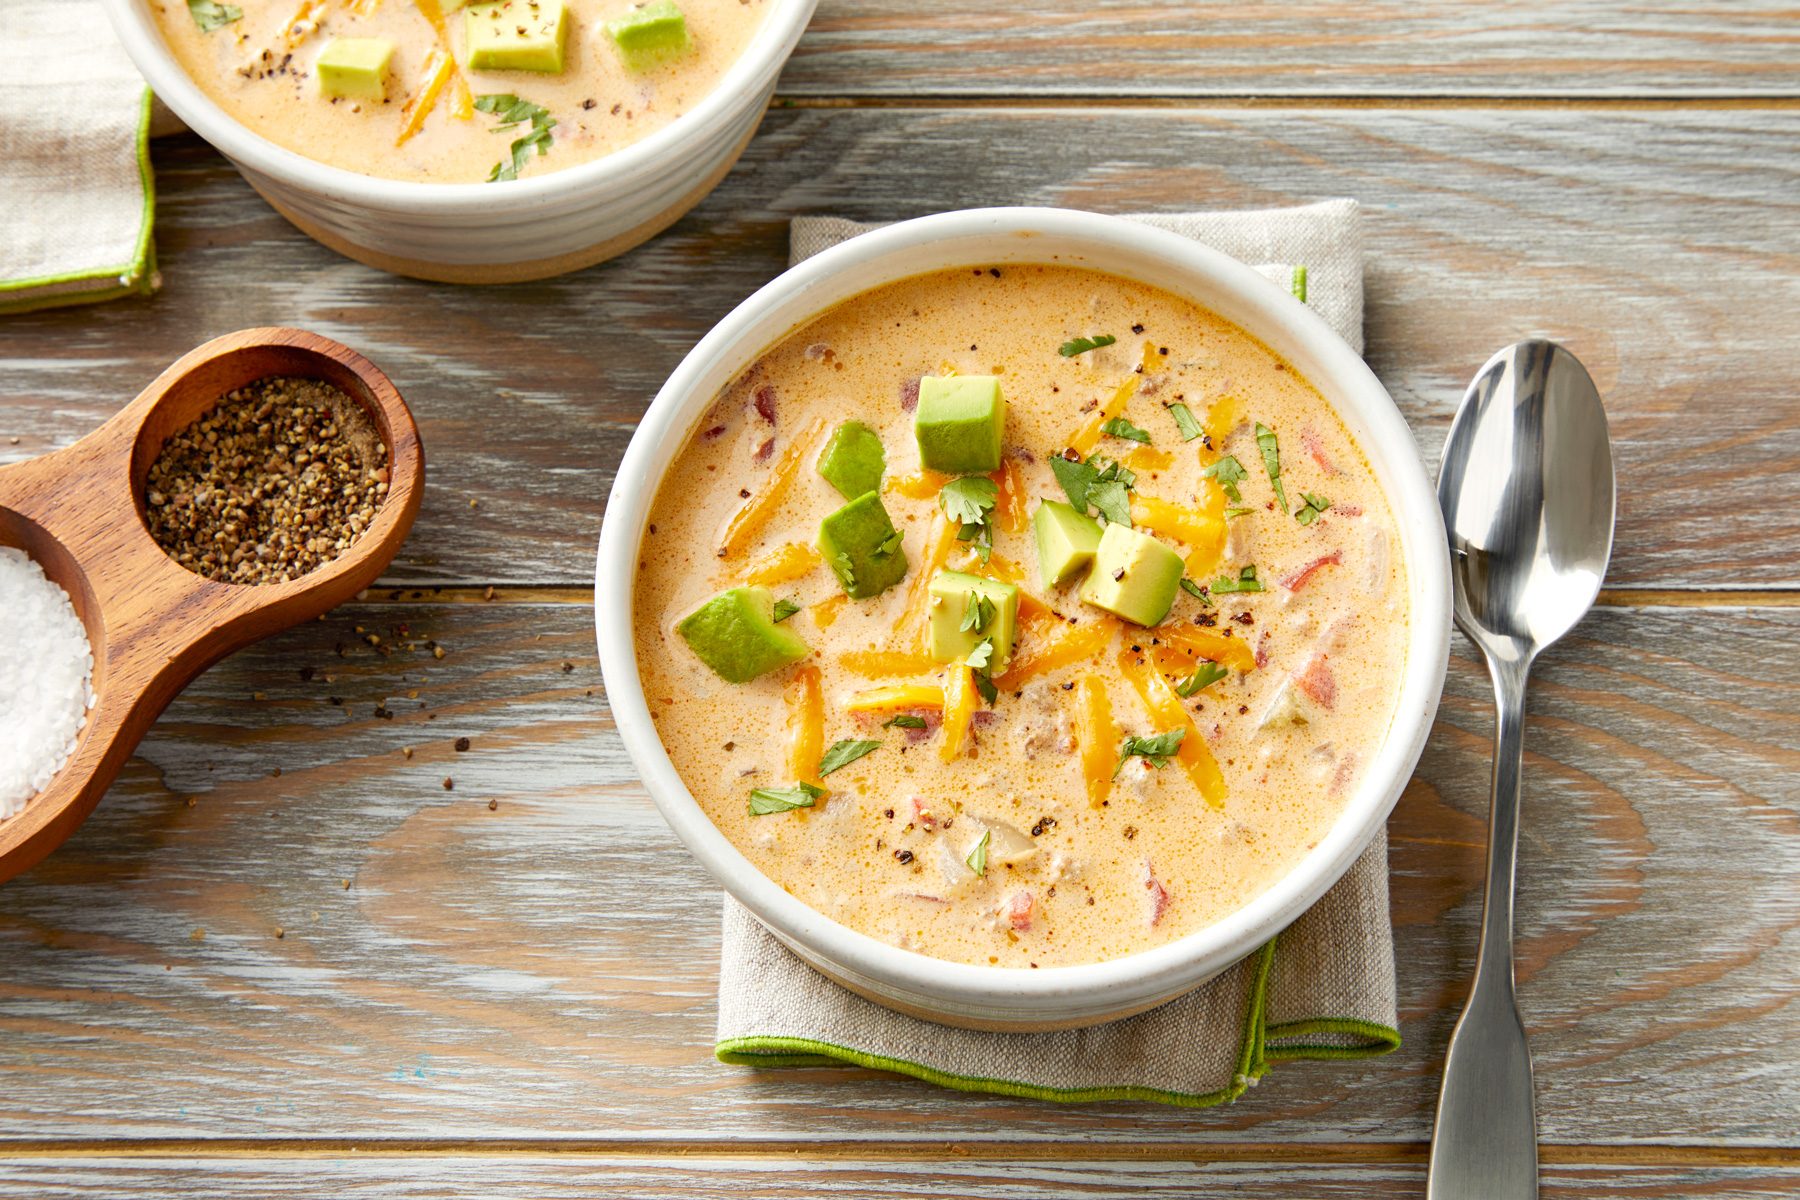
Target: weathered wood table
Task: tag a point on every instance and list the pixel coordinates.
(286, 957)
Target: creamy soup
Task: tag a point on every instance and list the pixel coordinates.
(969, 758)
(395, 87)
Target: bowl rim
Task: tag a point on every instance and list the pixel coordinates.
(762, 59)
(1339, 373)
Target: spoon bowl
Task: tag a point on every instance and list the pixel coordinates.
(1527, 492)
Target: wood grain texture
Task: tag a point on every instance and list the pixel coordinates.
(1662, 247)
(573, 1176)
(545, 967)
(1174, 48)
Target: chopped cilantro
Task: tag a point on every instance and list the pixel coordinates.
(785, 609)
(1112, 502)
(981, 655)
(977, 613)
(984, 683)
(1155, 750)
(1246, 581)
(845, 752)
(1196, 591)
(977, 859)
(1205, 674)
(1315, 507)
(888, 544)
(904, 721)
(1232, 514)
(1271, 456)
(1229, 472)
(1082, 345)
(512, 111)
(969, 499)
(1076, 477)
(1184, 422)
(210, 15)
(1119, 427)
(764, 801)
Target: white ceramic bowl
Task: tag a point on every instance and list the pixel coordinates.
(992, 997)
(458, 232)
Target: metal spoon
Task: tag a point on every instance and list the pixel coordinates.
(1527, 492)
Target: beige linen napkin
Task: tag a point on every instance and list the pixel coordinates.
(76, 197)
(1323, 989)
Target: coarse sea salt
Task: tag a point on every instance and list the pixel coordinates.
(46, 679)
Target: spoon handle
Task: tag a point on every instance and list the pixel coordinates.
(1485, 1146)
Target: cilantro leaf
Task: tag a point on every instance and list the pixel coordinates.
(1119, 427)
(1082, 345)
(977, 859)
(1113, 470)
(1271, 456)
(1184, 422)
(1246, 581)
(1206, 674)
(513, 111)
(1155, 750)
(981, 655)
(210, 15)
(977, 613)
(904, 721)
(785, 609)
(1232, 514)
(764, 801)
(888, 544)
(969, 499)
(1315, 507)
(845, 752)
(984, 683)
(1229, 472)
(1112, 502)
(1196, 591)
(1076, 478)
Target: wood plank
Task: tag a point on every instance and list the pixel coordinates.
(1157, 48)
(1661, 246)
(546, 967)
(549, 1177)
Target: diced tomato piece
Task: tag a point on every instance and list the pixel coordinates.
(1262, 649)
(1018, 910)
(1295, 580)
(1317, 681)
(1158, 894)
(1309, 439)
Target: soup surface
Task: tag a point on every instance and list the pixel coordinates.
(262, 69)
(1118, 785)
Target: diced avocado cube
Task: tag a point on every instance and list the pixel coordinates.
(959, 422)
(649, 36)
(852, 461)
(516, 35)
(1066, 541)
(862, 546)
(355, 68)
(967, 610)
(735, 634)
(1134, 576)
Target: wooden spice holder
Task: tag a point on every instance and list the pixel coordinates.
(153, 624)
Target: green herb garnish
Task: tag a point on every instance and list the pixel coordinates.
(977, 859)
(977, 613)
(981, 655)
(785, 609)
(1246, 581)
(1110, 499)
(904, 721)
(1184, 422)
(888, 544)
(846, 570)
(513, 111)
(1082, 345)
(1081, 480)
(1315, 507)
(1229, 472)
(1155, 750)
(1271, 456)
(210, 15)
(1205, 674)
(1076, 477)
(1232, 514)
(764, 801)
(1119, 427)
(843, 753)
(1196, 591)
(969, 501)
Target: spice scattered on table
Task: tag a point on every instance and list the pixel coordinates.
(46, 679)
(280, 478)
(460, 744)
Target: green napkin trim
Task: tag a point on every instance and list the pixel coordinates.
(1357, 1039)
(132, 278)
